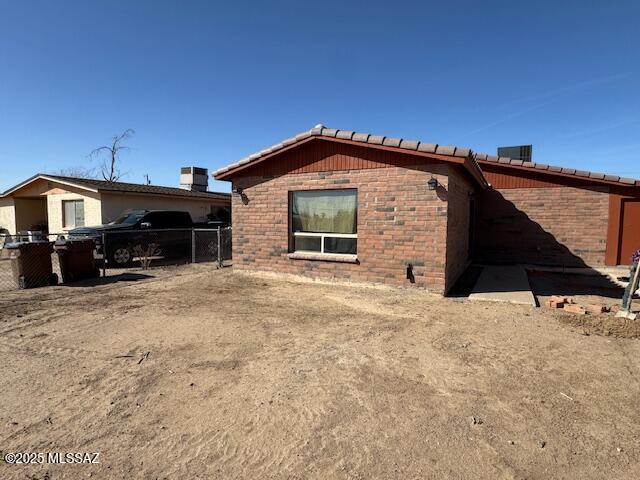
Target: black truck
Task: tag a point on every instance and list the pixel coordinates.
(133, 232)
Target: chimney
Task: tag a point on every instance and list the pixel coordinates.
(194, 179)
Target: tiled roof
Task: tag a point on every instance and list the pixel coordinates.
(424, 147)
(322, 131)
(541, 167)
(104, 186)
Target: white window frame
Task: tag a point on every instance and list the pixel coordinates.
(321, 235)
(322, 238)
(65, 224)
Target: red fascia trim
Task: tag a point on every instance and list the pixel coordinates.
(555, 174)
(466, 162)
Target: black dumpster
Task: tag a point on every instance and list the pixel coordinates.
(76, 259)
(31, 263)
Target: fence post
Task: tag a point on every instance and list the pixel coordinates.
(104, 254)
(193, 245)
(219, 249)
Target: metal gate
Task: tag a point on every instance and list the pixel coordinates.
(211, 245)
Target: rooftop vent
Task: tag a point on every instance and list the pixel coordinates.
(195, 179)
(521, 152)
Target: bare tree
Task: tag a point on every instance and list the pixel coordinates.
(110, 155)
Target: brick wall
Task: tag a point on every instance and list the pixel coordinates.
(564, 226)
(458, 199)
(399, 221)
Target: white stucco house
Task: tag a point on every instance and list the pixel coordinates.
(58, 204)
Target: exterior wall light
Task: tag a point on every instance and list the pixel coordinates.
(432, 184)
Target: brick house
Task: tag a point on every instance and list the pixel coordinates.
(339, 204)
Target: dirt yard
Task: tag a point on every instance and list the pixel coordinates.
(197, 373)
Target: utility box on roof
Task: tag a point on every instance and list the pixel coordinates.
(195, 179)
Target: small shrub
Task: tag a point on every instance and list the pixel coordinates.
(145, 255)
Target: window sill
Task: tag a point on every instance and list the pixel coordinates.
(324, 257)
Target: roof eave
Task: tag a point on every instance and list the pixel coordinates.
(476, 172)
(467, 161)
(557, 172)
(98, 189)
(210, 195)
(38, 176)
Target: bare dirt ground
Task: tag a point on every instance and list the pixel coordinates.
(252, 377)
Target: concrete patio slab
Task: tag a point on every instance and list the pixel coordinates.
(500, 283)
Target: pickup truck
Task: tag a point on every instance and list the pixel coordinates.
(169, 230)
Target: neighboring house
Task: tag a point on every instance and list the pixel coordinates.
(62, 203)
(335, 203)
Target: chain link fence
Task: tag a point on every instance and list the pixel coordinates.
(28, 261)
(211, 246)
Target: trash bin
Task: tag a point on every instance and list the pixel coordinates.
(76, 259)
(31, 263)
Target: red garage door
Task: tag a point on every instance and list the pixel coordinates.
(630, 230)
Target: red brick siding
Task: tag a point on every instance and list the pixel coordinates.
(399, 221)
(457, 226)
(551, 226)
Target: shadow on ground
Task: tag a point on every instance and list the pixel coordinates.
(464, 285)
(551, 283)
(548, 283)
(94, 282)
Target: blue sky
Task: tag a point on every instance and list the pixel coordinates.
(205, 83)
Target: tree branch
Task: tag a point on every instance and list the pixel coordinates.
(111, 155)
